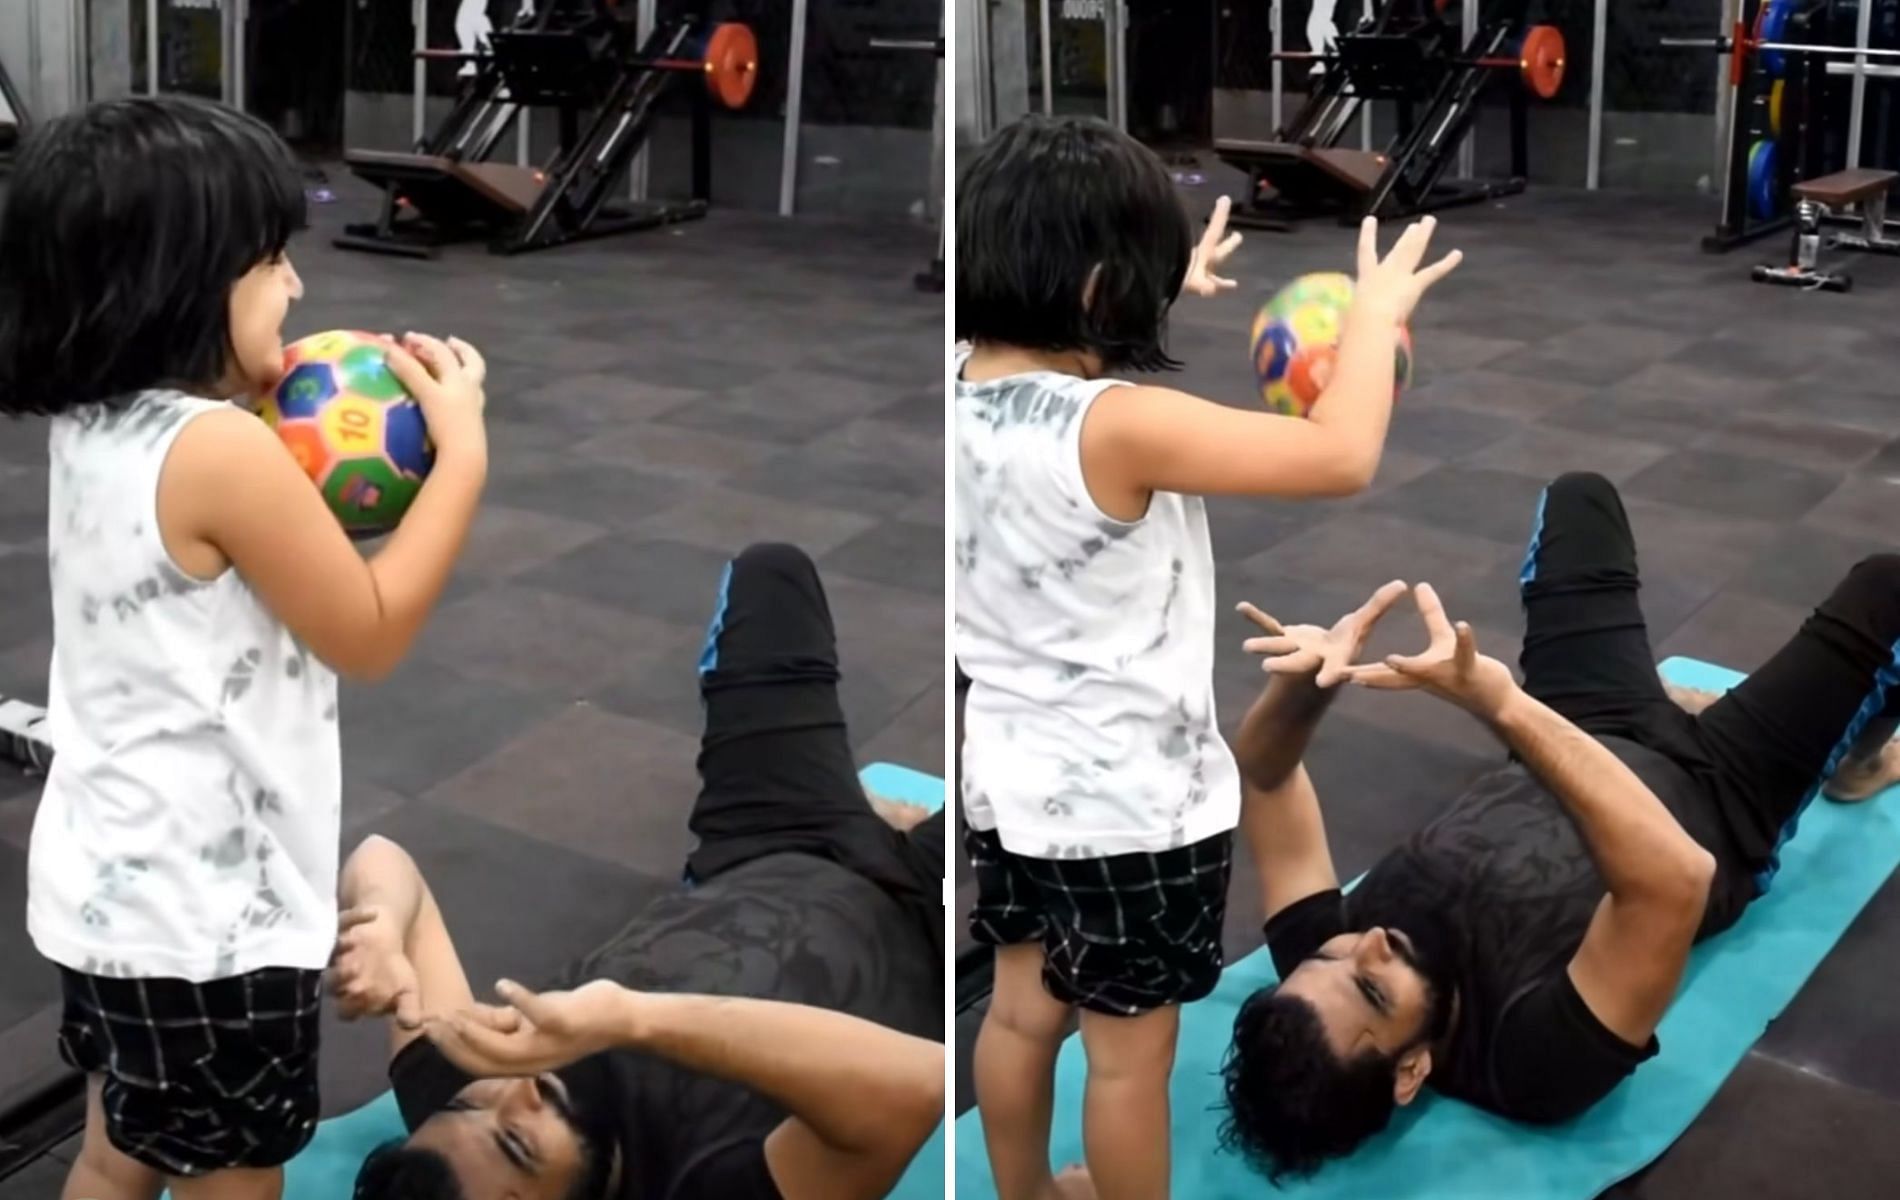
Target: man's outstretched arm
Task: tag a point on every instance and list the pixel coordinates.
(1279, 810)
(863, 1098)
(394, 955)
(1657, 876)
(1280, 814)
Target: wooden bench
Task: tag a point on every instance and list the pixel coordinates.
(1831, 195)
(1844, 189)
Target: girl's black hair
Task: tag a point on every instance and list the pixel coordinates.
(1052, 210)
(125, 226)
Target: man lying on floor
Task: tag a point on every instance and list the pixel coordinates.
(773, 1029)
(1519, 950)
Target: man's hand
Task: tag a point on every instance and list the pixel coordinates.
(1326, 655)
(1216, 247)
(1450, 667)
(370, 974)
(535, 1033)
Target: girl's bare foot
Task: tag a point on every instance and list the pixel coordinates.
(1690, 700)
(1856, 781)
(1073, 1183)
(899, 815)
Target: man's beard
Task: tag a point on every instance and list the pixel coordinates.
(1431, 953)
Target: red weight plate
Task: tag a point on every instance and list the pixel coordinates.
(1541, 60)
(732, 64)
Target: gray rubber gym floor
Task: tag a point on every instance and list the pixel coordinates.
(1755, 433)
(656, 402)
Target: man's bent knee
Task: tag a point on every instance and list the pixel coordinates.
(778, 557)
(1878, 570)
(1582, 482)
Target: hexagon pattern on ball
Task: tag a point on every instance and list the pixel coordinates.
(1296, 342)
(352, 427)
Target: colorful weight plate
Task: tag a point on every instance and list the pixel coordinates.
(1771, 25)
(1763, 180)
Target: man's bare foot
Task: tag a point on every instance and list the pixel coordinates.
(899, 815)
(1853, 782)
(1073, 1183)
(1690, 700)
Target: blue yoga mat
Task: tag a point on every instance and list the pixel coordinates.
(327, 1167)
(1439, 1149)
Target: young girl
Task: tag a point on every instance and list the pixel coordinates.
(1100, 798)
(183, 867)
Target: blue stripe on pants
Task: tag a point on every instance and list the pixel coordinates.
(709, 653)
(1528, 572)
(1871, 707)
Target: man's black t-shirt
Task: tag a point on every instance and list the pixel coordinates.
(789, 927)
(1508, 884)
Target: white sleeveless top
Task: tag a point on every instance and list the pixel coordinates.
(189, 825)
(1089, 727)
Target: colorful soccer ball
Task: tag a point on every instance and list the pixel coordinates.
(1296, 339)
(352, 427)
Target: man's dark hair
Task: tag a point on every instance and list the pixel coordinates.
(1049, 210)
(397, 1171)
(125, 226)
(597, 1170)
(1292, 1103)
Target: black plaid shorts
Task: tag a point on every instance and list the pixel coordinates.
(1121, 935)
(199, 1077)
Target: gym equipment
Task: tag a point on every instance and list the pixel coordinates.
(1776, 80)
(1763, 180)
(930, 279)
(576, 57)
(352, 427)
(1296, 341)
(1407, 53)
(1444, 1150)
(1816, 200)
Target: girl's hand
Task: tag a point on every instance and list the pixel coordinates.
(1217, 245)
(1391, 287)
(446, 379)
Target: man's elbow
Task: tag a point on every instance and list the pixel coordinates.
(913, 1110)
(924, 1097)
(1690, 880)
(371, 851)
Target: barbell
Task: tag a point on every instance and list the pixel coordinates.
(1539, 62)
(1740, 44)
(1726, 44)
(730, 63)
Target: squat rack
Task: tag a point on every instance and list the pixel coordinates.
(1756, 38)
